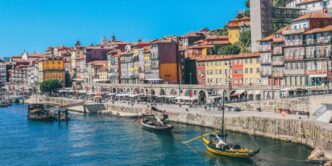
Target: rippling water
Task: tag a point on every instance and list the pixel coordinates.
(100, 140)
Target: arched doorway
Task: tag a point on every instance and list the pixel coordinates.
(137, 91)
(201, 97)
(153, 92)
(173, 92)
(114, 90)
(162, 92)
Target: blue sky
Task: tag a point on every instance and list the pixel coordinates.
(36, 24)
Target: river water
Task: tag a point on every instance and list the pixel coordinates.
(101, 140)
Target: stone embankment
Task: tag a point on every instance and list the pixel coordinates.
(307, 104)
(315, 134)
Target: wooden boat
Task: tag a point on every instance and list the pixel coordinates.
(215, 144)
(154, 123)
(60, 114)
(5, 103)
(38, 113)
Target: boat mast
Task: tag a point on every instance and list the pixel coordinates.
(223, 114)
(151, 97)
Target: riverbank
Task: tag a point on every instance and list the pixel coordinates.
(94, 140)
(292, 128)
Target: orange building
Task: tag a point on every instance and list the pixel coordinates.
(52, 68)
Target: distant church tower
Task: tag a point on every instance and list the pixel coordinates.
(113, 38)
(78, 43)
(104, 41)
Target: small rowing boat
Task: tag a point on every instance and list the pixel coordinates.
(154, 123)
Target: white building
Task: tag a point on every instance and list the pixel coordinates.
(311, 5)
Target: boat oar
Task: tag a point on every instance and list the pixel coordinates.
(185, 142)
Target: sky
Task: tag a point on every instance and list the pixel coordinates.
(34, 25)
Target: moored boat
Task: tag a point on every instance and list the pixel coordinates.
(38, 113)
(215, 144)
(154, 123)
(5, 103)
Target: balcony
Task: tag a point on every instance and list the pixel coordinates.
(293, 31)
(293, 58)
(265, 62)
(278, 74)
(266, 73)
(277, 51)
(277, 63)
(265, 48)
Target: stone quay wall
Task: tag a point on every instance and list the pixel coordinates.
(307, 104)
(313, 134)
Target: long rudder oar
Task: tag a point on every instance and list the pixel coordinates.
(193, 139)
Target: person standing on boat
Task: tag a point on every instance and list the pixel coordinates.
(220, 143)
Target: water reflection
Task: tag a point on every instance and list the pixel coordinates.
(102, 140)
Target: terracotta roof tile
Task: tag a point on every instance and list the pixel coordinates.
(319, 30)
(226, 57)
(315, 15)
(268, 38)
(308, 1)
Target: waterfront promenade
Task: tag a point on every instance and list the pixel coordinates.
(289, 127)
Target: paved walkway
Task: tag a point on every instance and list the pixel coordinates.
(185, 108)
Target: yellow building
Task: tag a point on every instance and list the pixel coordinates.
(240, 69)
(217, 69)
(251, 70)
(51, 68)
(236, 27)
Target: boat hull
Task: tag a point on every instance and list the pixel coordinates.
(50, 118)
(217, 151)
(167, 128)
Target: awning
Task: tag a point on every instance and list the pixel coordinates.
(81, 91)
(314, 88)
(318, 76)
(238, 92)
(132, 95)
(153, 79)
(188, 98)
(121, 95)
(110, 94)
(78, 80)
(250, 92)
(289, 89)
(101, 80)
(258, 92)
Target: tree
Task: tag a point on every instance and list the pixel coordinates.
(239, 15)
(221, 31)
(245, 37)
(246, 13)
(68, 82)
(279, 3)
(248, 3)
(228, 49)
(50, 86)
